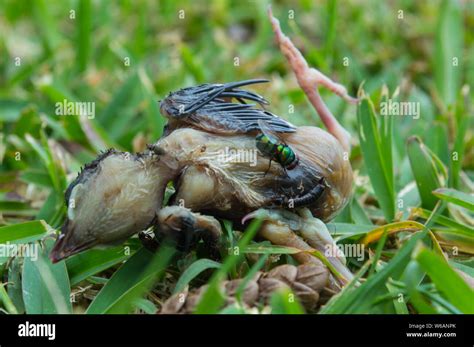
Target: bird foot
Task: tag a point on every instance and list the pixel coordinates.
(304, 232)
(185, 229)
(309, 79)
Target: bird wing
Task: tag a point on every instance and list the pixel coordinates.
(210, 107)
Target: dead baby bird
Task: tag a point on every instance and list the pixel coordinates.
(120, 194)
(110, 198)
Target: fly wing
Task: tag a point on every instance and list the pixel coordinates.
(210, 107)
(268, 130)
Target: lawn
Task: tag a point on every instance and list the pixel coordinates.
(412, 207)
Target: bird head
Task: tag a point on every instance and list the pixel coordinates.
(112, 198)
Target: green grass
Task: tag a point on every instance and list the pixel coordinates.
(414, 177)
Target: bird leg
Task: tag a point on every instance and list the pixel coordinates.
(186, 229)
(281, 226)
(309, 79)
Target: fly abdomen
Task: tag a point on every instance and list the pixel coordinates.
(286, 157)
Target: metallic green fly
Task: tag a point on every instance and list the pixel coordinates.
(270, 145)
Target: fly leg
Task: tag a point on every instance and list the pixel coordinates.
(309, 79)
(269, 166)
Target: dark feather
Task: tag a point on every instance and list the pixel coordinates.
(207, 106)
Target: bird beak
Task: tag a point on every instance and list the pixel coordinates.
(66, 245)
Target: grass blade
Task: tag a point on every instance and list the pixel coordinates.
(361, 299)
(261, 248)
(449, 50)
(129, 282)
(461, 118)
(84, 31)
(194, 270)
(91, 262)
(6, 301)
(285, 302)
(456, 197)
(446, 279)
(392, 228)
(46, 287)
(455, 227)
(426, 170)
(379, 156)
(213, 298)
(24, 232)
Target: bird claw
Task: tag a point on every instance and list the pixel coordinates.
(186, 228)
(311, 231)
(260, 213)
(277, 216)
(265, 214)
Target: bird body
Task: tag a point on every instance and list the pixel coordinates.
(291, 168)
(233, 188)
